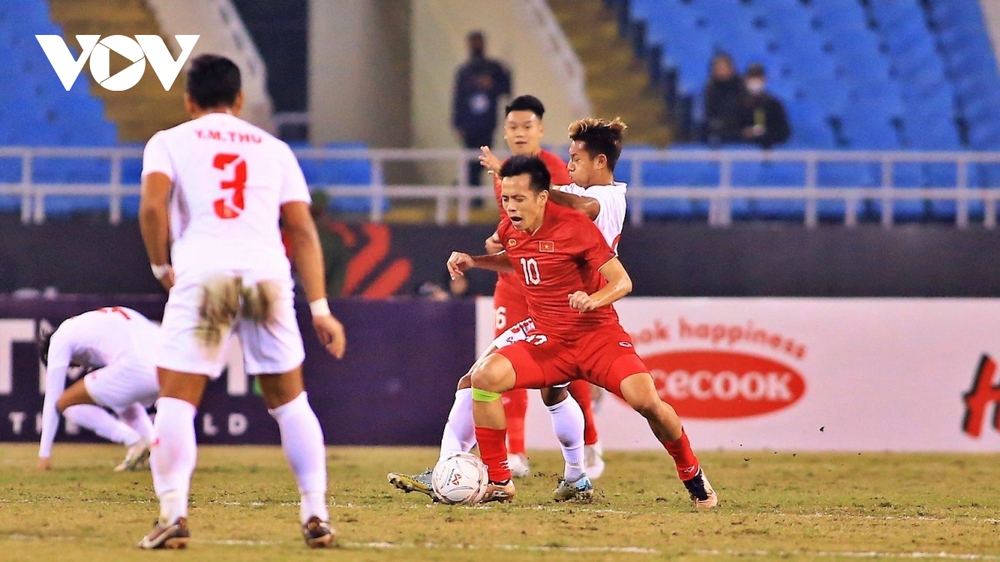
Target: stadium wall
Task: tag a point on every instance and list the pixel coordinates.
(807, 374)
(359, 72)
(91, 257)
(394, 387)
(438, 47)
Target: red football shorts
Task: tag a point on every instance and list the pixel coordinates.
(509, 306)
(604, 357)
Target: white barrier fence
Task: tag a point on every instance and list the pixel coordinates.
(806, 374)
(719, 198)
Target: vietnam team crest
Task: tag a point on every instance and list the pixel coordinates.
(511, 242)
(546, 246)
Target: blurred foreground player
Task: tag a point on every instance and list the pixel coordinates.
(226, 183)
(115, 347)
(571, 278)
(594, 151)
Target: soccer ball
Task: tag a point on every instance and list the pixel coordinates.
(460, 478)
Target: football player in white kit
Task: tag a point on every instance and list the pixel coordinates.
(222, 184)
(594, 151)
(115, 345)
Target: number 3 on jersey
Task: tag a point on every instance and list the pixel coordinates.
(238, 184)
(531, 274)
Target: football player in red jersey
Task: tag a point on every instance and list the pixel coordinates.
(523, 131)
(571, 278)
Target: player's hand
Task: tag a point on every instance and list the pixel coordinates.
(493, 244)
(168, 278)
(331, 334)
(581, 301)
(489, 160)
(44, 463)
(458, 263)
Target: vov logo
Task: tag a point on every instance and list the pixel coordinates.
(98, 51)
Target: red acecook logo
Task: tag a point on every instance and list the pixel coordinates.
(724, 384)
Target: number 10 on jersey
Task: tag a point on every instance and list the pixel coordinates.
(531, 274)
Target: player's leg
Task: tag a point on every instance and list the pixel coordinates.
(273, 344)
(127, 387)
(640, 392)
(78, 406)
(302, 442)
(173, 455)
(567, 421)
(194, 336)
(489, 380)
(515, 407)
(593, 453)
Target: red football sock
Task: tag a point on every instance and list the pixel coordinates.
(580, 391)
(684, 457)
(515, 406)
(493, 451)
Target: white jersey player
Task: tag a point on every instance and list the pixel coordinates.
(115, 345)
(594, 152)
(222, 184)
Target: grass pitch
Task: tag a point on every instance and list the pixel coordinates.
(774, 505)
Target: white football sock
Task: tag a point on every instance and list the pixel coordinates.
(98, 420)
(138, 419)
(460, 431)
(302, 441)
(172, 456)
(567, 421)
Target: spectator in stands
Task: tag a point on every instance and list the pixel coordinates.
(479, 83)
(764, 121)
(724, 96)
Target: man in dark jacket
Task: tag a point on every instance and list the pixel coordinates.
(764, 121)
(479, 83)
(724, 95)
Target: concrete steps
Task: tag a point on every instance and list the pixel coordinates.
(617, 83)
(146, 108)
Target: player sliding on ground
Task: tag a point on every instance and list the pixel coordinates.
(115, 347)
(594, 151)
(571, 278)
(226, 183)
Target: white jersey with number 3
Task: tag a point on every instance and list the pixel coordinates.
(230, 179)
(611, 218)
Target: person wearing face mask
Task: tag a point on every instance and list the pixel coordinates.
(479, 83)
(763, 120)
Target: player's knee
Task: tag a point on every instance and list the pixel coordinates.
(490, 375)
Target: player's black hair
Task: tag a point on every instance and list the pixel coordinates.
(213, 81)
(538, 174)
(600, 137)
(43, 338)
(526, 103)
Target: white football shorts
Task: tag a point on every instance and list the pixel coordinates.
(272, 347)
(123, 383)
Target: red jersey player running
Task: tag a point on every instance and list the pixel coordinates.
(523, 131)
(570, 278)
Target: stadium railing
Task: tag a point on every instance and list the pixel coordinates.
(717, 198)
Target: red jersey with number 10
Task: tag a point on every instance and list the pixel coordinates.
(562, 257)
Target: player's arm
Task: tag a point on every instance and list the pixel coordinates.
(304, 240)
(586, 205)
(153, 223)
(619, 284)
(493, 243)
(55, 384)
(460, 262)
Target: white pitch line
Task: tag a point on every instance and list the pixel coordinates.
(851, 554)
